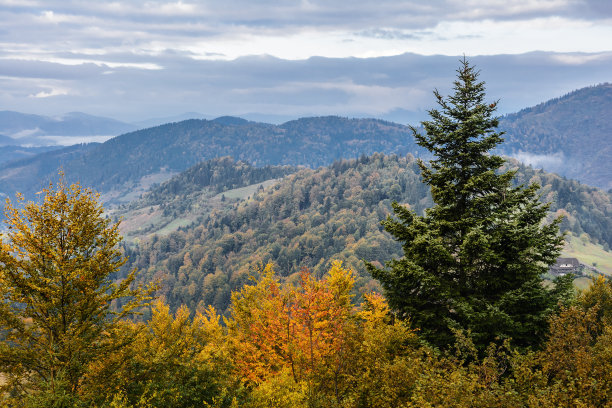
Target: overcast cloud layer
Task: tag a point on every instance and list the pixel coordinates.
(283, 59)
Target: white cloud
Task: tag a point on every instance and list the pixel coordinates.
(155, 55)
(49, 93)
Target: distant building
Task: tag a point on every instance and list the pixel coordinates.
(564, 266)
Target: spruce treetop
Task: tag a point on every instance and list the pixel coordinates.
(473, 262)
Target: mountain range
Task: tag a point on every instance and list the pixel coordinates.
(569, 135)
(38, 130)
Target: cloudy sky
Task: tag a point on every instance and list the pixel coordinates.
(277, 60)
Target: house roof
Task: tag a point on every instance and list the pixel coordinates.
(567, 261)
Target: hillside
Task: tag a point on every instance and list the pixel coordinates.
(39, 130)
(122, 162)
(315, 216)
(193, 194)
(571, 135)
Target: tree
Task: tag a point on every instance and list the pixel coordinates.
(300, 328)
(473, 262)
(57, 261)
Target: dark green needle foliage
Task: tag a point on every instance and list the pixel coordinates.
(473, 262)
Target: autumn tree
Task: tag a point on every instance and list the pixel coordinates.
(57, 260)
(473, 262)
(172, 360)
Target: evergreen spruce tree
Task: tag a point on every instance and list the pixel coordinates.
(474, 261)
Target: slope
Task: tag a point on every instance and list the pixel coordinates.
(571, 135)
(314, 216)
(120, 163)
(191, 195)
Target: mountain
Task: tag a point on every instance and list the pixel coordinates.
(152, 122)
(123, 162)
(312, 217)
(44, 130)
(13, 153)
(571, 135)
(36, 172)
(7, 141)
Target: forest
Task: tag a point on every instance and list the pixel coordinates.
(383, 281)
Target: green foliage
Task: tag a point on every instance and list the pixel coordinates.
(304, 220)
(474, 261)
(57, 262)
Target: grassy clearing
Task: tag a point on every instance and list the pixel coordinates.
(582, 283)
(244, 192)
(174, 225)
(588, 253)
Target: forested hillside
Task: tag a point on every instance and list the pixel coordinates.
(570, 135)
(191, 195)
(122, 162)
(315, 216)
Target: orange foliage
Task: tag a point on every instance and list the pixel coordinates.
(301, 328)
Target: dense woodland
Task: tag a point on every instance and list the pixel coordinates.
(314, 216)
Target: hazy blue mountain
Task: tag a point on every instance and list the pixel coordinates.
(570, 135)
(231, 120)
(30, 175)
(152, 122)
(7, 141)
(37, 129)
(122, 162)
(12, 153)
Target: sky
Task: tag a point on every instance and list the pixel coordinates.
(279, 60)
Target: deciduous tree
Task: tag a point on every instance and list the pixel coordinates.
(57, 261)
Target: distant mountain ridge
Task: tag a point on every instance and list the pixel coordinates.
(121, 162)
(571, 135)
(36, 129)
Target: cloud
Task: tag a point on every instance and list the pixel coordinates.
(50, 92)
(137, 58)
(397, 87)
(547, 161)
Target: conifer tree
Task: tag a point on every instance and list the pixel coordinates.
(474, 261)
(57, 260)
